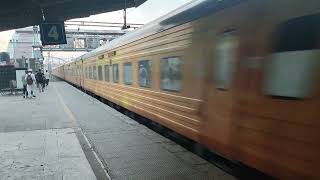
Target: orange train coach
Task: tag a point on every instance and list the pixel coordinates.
(238, 76)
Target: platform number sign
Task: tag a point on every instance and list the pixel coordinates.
(53, 33)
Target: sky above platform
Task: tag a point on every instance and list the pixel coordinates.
(149, 11)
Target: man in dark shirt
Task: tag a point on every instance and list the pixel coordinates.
(40, 80)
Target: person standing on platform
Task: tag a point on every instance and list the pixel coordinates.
(30, 79)
(24, 82)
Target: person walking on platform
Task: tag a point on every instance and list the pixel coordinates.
(40, 80)
(47, 76)
(30, 79)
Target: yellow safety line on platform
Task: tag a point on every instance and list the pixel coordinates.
(65, 107)
(73, 121)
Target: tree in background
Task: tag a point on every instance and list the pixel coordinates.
(4, 56)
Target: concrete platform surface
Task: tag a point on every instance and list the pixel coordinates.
(43, 154)
(122, 148)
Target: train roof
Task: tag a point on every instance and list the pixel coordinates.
(187, 13)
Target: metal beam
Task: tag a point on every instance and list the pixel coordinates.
(97, 22)
(93, 25)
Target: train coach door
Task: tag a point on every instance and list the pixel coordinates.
(225, 34)
(220, 92)
(81, 74)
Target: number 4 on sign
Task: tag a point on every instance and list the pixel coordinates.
(53, 33)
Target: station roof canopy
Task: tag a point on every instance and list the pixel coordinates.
(21, 13)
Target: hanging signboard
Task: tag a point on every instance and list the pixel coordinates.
(53, 33)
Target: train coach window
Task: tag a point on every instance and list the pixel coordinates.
(223, 70)
(106, 73)
(100, 73)
(86, 72)
(171, 73)
(127, 73)
(90, 72)
(115, 73)
(94, 72)
(144, 73)
(290, 72)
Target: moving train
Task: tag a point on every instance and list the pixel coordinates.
(238, 76)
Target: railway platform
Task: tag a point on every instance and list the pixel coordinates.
(64, 133)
